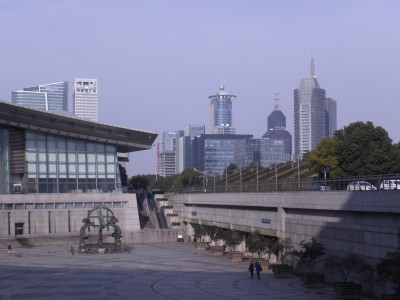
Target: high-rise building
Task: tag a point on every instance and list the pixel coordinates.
(183, 147)
(278, 133)
(331, 116)
(221, 112)
(212, 153)
(310, 124)
(166, 153)
(85, 99)
(49, 97)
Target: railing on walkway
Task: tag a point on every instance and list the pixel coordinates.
(364, 183)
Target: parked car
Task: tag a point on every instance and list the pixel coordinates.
(390, 184)
(361, 186)
(315, 186)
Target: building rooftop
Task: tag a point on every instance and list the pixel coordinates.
(125, 139)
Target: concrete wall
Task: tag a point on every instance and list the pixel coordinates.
(363, 222)
(62, 221)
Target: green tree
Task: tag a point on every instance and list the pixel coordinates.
(188, 178)
(232, 238)
(356, 150)
(346, 265)
(388, 271)
(255, 243)
(215, 233)
(325, 156)
(310, 253)
(231, 169)
(139, 182)
(364, 149)
(282, 249)
(199, 231)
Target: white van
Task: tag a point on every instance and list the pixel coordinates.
(390, 184)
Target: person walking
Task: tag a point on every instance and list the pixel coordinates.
(258, 269)
(251, 269)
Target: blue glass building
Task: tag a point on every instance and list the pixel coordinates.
(221, 112)
(49, 97)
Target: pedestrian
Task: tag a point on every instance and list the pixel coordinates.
(258, 269)
(251, 269)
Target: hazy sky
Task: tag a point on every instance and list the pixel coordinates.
(158, 61)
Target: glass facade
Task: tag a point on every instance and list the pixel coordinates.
(221, 112)
(265, 151)
(4, 161)
(56, 164)
(49, 97)
(212, 153)
(57, 95)
(309, 114)
(32, 99)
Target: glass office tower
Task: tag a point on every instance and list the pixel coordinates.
(221, 112)
(49, 97)
(85, 99)
(309, 114)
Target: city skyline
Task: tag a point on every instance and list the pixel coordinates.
(156, 76)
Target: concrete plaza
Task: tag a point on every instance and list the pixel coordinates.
(150, 271)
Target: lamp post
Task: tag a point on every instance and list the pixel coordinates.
(298, 169)
(257, 174)
(276, 175)
(240, 174)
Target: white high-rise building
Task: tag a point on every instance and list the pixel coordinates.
(85, 99)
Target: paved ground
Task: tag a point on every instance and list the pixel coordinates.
(150, 271)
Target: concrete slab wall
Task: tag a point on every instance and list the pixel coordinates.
(52, 220)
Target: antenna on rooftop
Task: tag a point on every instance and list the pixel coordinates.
(276, 101)
(312, 68)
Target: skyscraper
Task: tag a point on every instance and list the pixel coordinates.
(310, 124)
(183, 146)
(221, 112)
(49, 97)
(85, 99)
(277, 130)
(331, 116)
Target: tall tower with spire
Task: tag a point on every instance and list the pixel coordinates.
(309, 114)
(221, 112)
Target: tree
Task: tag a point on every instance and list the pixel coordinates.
(199, 230)
(324, 155)
(232, 238)
(346, 265)
(215, 233)
(188, 178)
(282, 250)
(364, 150)
(388, 271)
(139, 182)
(356, 150)
(256, 243)
(231, 169)
(310, 253)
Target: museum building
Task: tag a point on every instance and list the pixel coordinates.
(75, 160)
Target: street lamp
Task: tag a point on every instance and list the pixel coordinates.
(276, 175)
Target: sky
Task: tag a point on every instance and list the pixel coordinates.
(158, 61)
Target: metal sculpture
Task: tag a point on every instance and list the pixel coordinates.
(99, 218)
